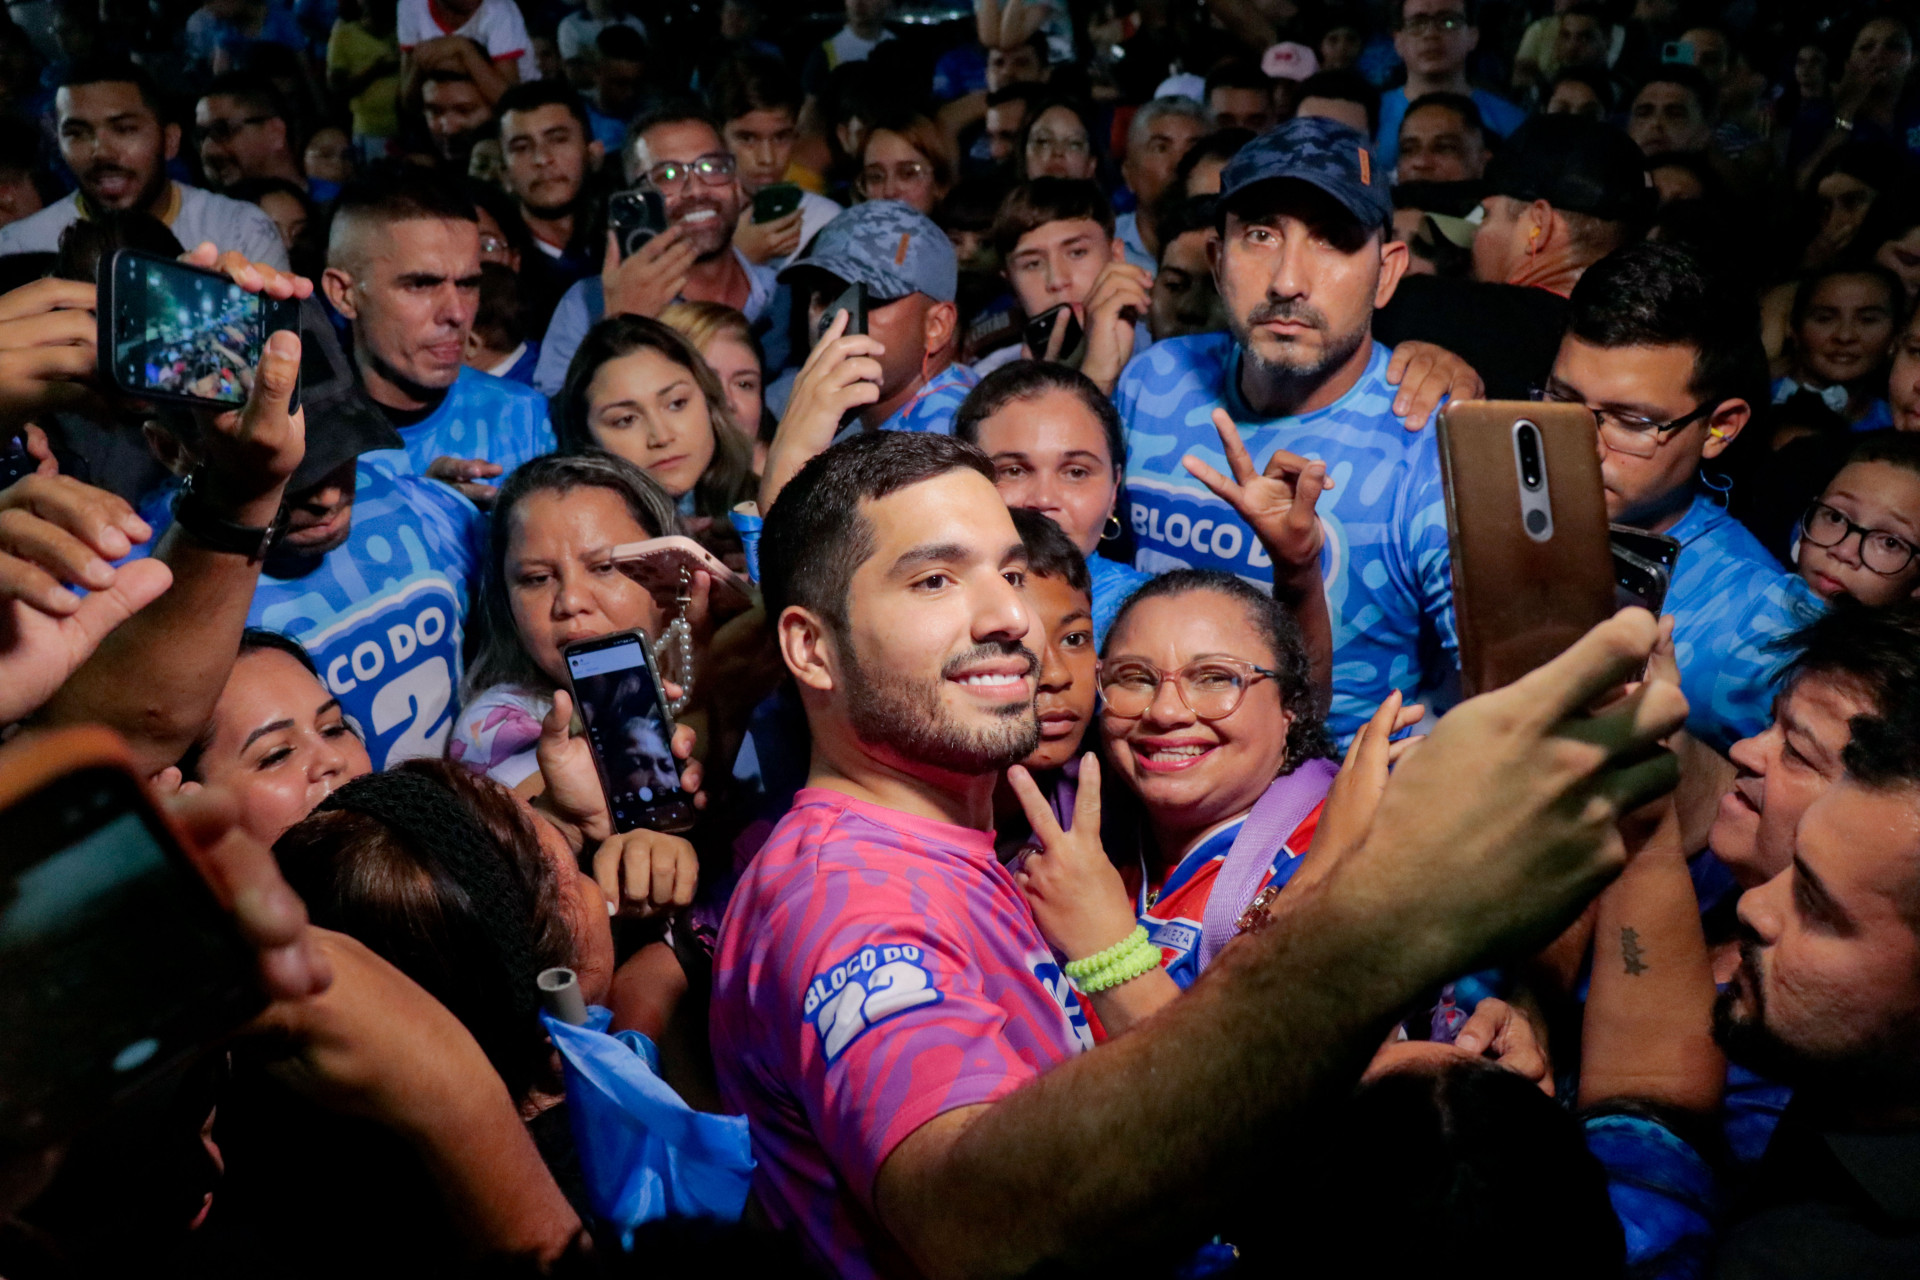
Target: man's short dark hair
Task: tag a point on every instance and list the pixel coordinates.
(1238, 73)
(673, 111)
(1050, 552)
(534, 94)
(1598, 81)
(621, 43)
(254, 92)
(1399, 15)
(1222, 145)
(1663, 295)
(749, 82)
(109, 70)
(1895, 448)
(1037, 201)
(402, 196)
(1177, 214)
(1345, 85)
(1876, 652)
(816, 537)
(1688, 78)
(1458, 103)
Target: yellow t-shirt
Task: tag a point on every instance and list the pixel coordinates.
(351, 50)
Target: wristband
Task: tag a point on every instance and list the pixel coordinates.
(1086, 968)
(197, 517)
(1122, 962)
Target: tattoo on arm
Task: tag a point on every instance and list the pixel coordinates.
(1630, 954)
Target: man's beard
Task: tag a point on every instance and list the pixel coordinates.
(1299, 377)
(907, 716)
(709, 238)
(144, 200)
(1879, 1064)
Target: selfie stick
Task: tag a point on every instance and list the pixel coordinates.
(560, 994)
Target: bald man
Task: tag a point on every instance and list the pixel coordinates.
(403, 264)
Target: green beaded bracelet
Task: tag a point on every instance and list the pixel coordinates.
(1090, 967)
(1124, 970)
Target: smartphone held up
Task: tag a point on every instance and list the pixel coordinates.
(1527, 529)
(169, 331)
(629, 731)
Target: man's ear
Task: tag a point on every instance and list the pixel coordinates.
(167, 448)
(595, 154)
(279, 128)
(337, 284)
(1539, 218)
(1724, 425)
(1394, 256)
(941, 325)
(170, 141)
(807, 648)
(1117, 251)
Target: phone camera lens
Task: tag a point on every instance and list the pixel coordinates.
(1528, 437)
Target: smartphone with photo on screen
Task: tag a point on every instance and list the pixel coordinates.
(629, 731)
(169, 331)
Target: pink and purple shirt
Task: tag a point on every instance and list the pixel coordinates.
(875, 970)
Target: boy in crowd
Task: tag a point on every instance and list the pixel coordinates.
(1435, 38)
(1860, 537)
(552, 166)
(757, 102)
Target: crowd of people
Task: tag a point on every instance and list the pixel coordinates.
(1092, 854)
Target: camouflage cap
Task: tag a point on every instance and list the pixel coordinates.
(1332, 156)
(888, 246)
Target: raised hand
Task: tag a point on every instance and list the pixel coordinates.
(1348, 812)
(1077, 896)
(648, 282)
(765, 241)
(1278, 503)
(47, 357)
(572, 791)
(1122, 293)
(842, 373)
(55, 531)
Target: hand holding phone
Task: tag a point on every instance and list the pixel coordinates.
(659, 564)
(646, 283)
(179, 331)
(852, 302)
(1056, 335)
(770, 204)
(636, 217)
(629, 731)
(48, 362)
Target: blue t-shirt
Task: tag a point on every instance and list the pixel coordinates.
(1113, 582)
(481, 417)
(1730, 600)
(383, 615)
(1389, 579)
(931, 410)
(1499, 115)
(1663, 1192)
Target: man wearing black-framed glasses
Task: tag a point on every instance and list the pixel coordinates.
(1667, 358)
(677, 151)
(1435, 38)
(243, 132)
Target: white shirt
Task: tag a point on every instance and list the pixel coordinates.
(579, 30)
(230, 224)
(816, 211)
(495, 26)
(844, 46)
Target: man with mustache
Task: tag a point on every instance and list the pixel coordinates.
(1305, 255)
(116, 139)
(676, 150)
(1827, 999)
(923, 1093)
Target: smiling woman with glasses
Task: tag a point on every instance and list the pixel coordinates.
(1207, 704)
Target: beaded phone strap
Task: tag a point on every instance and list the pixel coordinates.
(676, 640)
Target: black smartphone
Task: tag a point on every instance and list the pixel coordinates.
(1656, 547)
(116, 963)
(1639, 581)
(169, 331)
(770, 204)
(854, 303)
(636, 217)
(1039, 334)
(616, 685)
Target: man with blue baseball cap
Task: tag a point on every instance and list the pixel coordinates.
(1303, 259)
(898, 376)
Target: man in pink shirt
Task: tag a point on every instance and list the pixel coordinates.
(885, 1008)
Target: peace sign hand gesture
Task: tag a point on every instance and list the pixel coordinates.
(1278, 504)
(1077, 896)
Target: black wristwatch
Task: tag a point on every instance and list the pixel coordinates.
(193, 513)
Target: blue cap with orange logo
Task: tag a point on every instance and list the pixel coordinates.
(1332, 156)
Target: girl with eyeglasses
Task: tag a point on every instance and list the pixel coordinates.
(909, 160)
(1860, 538)
(1058, 142)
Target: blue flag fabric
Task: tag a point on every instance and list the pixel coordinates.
(645, 1154)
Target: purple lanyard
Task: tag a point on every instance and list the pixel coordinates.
(1282, 807)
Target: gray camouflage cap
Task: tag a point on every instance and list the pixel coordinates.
(890, 247)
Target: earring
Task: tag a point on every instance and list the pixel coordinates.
(1113, 528)
(1718, 433)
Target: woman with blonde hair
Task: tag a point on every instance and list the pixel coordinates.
(725, 340)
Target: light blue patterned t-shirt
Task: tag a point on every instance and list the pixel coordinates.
(481, 417)
(938, 401)
(1730, 599)
(384, 614)
(1388, 577)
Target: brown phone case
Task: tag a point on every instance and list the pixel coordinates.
(1524, 589)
